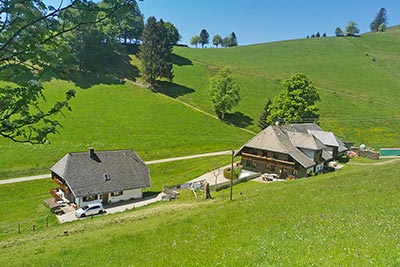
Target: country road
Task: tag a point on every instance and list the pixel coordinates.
(44, 176)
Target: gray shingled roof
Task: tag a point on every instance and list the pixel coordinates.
(303, 127)
(305, 140)
(274, 138)
(329, 139)
(87, 176)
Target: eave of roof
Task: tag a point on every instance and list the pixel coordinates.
(86, 176)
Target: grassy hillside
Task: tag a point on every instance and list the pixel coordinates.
(346, 218)
(357, 78)
(120, 117)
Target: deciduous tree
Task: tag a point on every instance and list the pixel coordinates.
(296, 103)
(195, 40)
(34, 48)
(125, 24)
(217, 40)
(29, 52)
(382, 27)
(352, 29)
(224, 92)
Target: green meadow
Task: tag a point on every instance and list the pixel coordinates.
(345, 218)
(356, 77)
(108, 117)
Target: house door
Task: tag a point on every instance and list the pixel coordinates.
(105, 198)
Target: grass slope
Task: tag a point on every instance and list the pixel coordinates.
(121, 117)
(24, 202)
(356, 77)
(347, 218)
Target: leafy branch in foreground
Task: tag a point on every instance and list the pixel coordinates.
(22, 119)
(32, 49)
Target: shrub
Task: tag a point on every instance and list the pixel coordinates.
(236, 172)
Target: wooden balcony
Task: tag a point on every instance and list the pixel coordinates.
(276, 162)
(63, 186)
(53, 192)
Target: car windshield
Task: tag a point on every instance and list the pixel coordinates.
(85, 207)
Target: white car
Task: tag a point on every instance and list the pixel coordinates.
(90, 209)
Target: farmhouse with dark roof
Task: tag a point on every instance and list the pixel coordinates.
(105, 176)
(295, 149)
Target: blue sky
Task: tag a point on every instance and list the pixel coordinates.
(259, 21)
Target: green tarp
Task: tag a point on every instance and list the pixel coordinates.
(390, 152)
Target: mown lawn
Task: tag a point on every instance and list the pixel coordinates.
(346, 218)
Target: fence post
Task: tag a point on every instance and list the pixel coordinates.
(19, 228)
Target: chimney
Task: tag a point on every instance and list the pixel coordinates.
(91, 153)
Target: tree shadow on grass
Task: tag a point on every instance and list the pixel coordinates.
(104, 67)
(173, 90)
(181, 61)
(238, 119)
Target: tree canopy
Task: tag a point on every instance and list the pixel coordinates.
(380, 18)
(217, 40)
(204, 37)
(352, 29)
(195, 40)
(296, 103)
(35, 45)
(156, 52)
(224, 92)
(173, 35)
(263, 120)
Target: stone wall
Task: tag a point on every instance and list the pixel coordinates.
(366, 153)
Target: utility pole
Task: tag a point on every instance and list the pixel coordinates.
(233, 153)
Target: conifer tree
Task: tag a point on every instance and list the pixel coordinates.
(233, 40)
(262, 121)
(204, 37)
(156, 52)
(380, 18)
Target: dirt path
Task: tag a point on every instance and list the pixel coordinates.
(44, 176)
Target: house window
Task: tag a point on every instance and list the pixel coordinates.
(272, 167)
(90, 198)
(114, 194)
(250, 164)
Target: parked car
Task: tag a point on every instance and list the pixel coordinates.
(90, 209)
